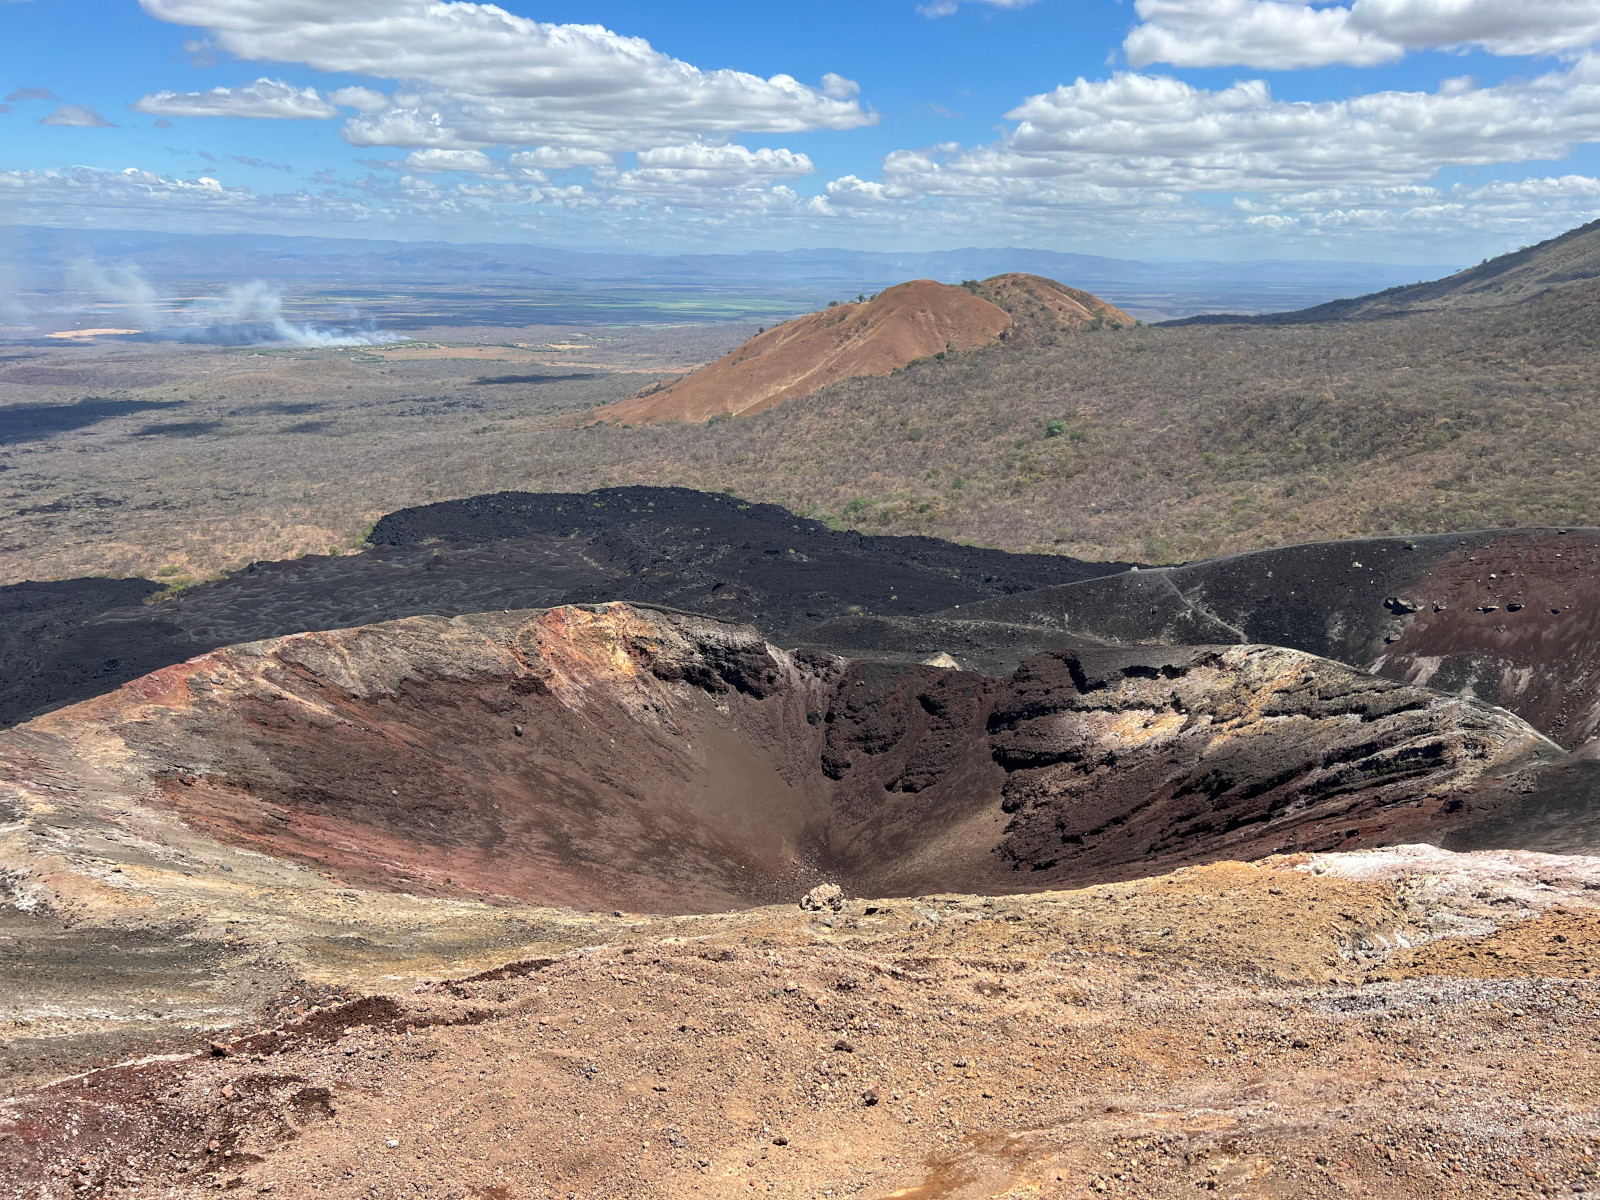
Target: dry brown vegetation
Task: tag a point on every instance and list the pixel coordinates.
(1152, 443)
(180, 462)
(1179, 443)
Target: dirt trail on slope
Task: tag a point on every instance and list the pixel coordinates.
(1508, 617)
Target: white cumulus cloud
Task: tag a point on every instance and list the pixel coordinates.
(1289, 34)
(738, 160)
(475, 75)
(1498, 26)
(431, 162)
(1144, 158)
(362, 99)
(1156, 131)
(560, 158)
(851, 191)
(689, 170)
(837, 87)
(270, 98)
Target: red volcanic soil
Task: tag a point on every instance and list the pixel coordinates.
(903, 323)
(900, 325)
(1515, 622)
(622, 758)
(1038, 305)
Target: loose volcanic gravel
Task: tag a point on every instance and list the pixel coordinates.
(1240, 1030)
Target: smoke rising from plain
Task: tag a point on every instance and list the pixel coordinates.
(246, 314)
(126, 286)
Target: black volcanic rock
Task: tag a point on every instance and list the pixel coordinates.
(1427, 610)
(1511, 617)
(692, 550)
(712, 553)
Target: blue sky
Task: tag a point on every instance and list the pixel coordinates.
(1409, 130)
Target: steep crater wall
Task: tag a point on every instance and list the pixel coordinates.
(615, 756)
(1507, 617)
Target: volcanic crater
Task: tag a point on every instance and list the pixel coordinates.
(615, 756)
(489, 797)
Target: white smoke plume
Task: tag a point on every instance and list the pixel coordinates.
(119, 285)
(245, 315)
(253, 312)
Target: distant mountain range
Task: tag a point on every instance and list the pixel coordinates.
(1567, 265)
(41, 256)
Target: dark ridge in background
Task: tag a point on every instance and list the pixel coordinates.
(678, 546)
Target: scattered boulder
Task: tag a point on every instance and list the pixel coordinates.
(824, 896)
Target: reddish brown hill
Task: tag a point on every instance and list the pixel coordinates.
(900, 325)
(903, 323)
(1038, 305)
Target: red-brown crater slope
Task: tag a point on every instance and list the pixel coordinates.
(898, 326)
(621, 757)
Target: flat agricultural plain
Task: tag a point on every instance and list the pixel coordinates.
(178, 462)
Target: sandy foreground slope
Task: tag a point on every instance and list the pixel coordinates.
(1397, 1022)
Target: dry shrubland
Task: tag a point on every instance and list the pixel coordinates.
(1170, 443)
(1150, 443)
